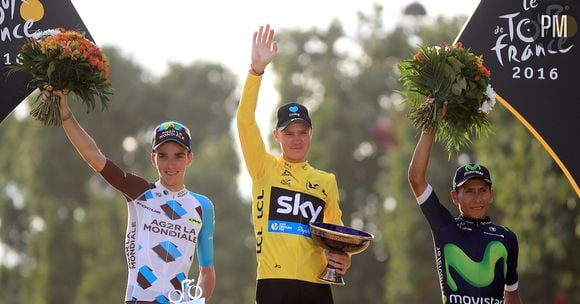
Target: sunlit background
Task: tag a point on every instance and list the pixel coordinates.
(62, 227)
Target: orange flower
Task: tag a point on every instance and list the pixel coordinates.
(484, 71)
(419, 57)
(459, 45)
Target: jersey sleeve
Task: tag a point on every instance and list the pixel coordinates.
(255, 155)
(511, 280)
(435, 213)
(205, 237)
(332, 213)
(130, 185)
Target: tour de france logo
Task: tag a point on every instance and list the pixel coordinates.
(31, 10)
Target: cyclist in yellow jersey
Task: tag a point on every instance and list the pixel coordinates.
(287, 195)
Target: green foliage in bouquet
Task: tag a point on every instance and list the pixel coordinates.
(64, 60)
(453, 74)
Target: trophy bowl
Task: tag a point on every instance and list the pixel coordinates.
(338, 238)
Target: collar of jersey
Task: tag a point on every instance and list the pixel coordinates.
(168, 192)
(475, 222)
(294, 166)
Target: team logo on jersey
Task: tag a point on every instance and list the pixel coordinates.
(292, 212)
(167, 251)
(286, 182)
(146, 277)
(176, 281)
(286, 173)
(173, 210)
(477, 273)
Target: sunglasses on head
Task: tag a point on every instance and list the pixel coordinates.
(173, 125)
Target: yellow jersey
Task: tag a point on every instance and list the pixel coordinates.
(286, 198)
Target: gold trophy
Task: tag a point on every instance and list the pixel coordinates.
(338, 238)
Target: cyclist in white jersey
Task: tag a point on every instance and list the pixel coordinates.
(167, 222)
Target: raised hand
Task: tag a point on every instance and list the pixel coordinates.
(62, 102)
(442, 110)
(264, 49)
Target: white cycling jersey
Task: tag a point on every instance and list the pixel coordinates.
(163, 231)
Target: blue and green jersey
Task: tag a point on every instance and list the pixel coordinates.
(476, 259)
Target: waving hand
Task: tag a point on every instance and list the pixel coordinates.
(264, 49)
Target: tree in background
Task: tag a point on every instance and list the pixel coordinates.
(62, 228)
(534, 199)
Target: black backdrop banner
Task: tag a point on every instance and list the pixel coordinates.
(18, 21)
(532, 49)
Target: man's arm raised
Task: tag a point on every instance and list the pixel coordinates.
(420, 161)
(80, 139)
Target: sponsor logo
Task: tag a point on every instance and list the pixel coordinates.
(494, 234)
(194, 220)
(274, 226)
(299, 206)
(182, 193)
(473, 167)
(464, 226)
(310, 185)
(148, 208)
(286, 182)
(477, 274)
(130, 245)
(259, 215)
(286, 173)
(459, 299)
(171, 133)
(171, 230)
(291, 211)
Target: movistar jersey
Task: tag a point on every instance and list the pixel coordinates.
(286, 198)
(162, 232)
(476, 259)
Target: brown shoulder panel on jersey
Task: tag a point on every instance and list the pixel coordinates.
(130, 185)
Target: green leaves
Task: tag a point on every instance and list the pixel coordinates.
(448, 73)
(459, 85)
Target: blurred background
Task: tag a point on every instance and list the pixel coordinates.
(62, 227)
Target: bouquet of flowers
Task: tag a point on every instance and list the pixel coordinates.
(64, 60)
(453, 74)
